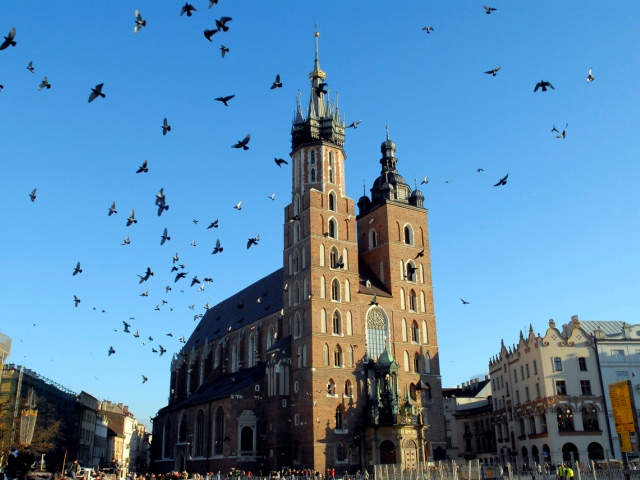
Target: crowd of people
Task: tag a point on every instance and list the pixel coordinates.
(19, 462)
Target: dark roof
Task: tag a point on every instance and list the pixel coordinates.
(221, 387)
(469, 391)
(376, 286)
(239, 310)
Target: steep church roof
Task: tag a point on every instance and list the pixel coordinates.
(257, 301)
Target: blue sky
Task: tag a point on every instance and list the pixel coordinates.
(561, 238)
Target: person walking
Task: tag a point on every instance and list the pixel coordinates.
(74, 469)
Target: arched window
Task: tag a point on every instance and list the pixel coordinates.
(377, 332)
(321, 255)
(564, 419)
(347, 291)
(331, 167)
(313, 157)
(335, 290)
(270, 336)
(402, 270)
(234, 357)
(313, 175)
(325, 355)
(323, 321)
(348, 388)
(373, 239)
(412, 391)
(218, 428)
(341, 449)
(404, 330)
(304, 257)
(402, 299)
(182, 428)
(246, 440)
(413, 301)
(198, 438)
(337, 356)
(415, 332)
(296, 232)
(332, 202)
(350, 359)
(331, 387)
(296, 261)
(337, 323)
(296, 204)
(166, 440)
(408, 235)
(349, 323)
(323, 287)
(333, 228)
(416, 363)
(406, 361)
(425, 333)
(304, 355)
(251, 354)
(334, 258)
(423, 304)
(339, 417)
(297, 326)
(426, 392)
(412, 275)
(299, 363)
(216, 357)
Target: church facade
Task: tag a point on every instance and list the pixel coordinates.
(332, 360)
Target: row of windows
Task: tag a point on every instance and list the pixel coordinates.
(564, 421)
(413, 333)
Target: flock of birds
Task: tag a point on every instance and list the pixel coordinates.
(179, 269)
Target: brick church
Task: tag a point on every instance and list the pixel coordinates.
(332, 360)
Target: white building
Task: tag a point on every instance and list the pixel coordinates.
(548, 399)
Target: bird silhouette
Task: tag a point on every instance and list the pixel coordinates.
(30, 67)
(144, 379)
(145, 293)
(136, 334)
(502, 181)
(321, 89)
(194, 280)
(8, 40)
(225, 99)
(213, 224)
(126, 326)
(339, 263)
(210, 33)
(165, 127)
(193, 243)
(77, 269)
(111, 351)
(188, 8)
(139, 22)
(277, 83)
(590, 77)
(222, 23)
(217, 248)
(223, 50)
(180, 275)
(182, 340)
(144, 168)
(164, 237)
(112, 209)
(374, 300)
(488, 10)
(464, 302)
(131, 218)
(162, 350)
(253, 241)
(243, 143)
(493, 71)
(44, 84)
(480, 170)
(272, 196)
(212, 3)
(420, 254)
(76, 300)
(425, 180)
(280, 161)
(238, 206)
(563, 133)
(96, 92)
(354, 125)
(32, 195)
(543, 85)
(428, 29)
(126, 241)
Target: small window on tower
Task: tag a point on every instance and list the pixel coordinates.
(313, 157)
(332, 228)
(313, 175)
(332, 202)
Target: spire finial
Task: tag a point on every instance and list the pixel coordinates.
(387, 127)
(364, 188)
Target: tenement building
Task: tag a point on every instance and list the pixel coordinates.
(332, 360)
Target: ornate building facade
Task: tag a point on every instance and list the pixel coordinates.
(332, 360)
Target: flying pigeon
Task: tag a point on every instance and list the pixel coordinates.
(76, 300)
(253, 241)
(164, 237)
(111, 351)
(143, 168)
(77, 269)
(96, 92)
(493, 71)
(542, 84)
(8, 40)
(139, 22)
(243, 143)
(374, 300)
(427, 29)
(131, 218)
(225, 99)
(223, 50)
(188, 8)
(425, 180)
(502, 181)
(238, 206)
(213, 224)
(165, 127)
(144, 379)
(210, 33)
(32, 195)
(563, 133)
(280, 161)
(320, 89)
(277, 83)
(590, 77)
(222, 23)
(126, 241)
(30, 67)
(464, 302)
(44, 84)
(489, 9)
(162, 350)
(217, 248)
(354, 125)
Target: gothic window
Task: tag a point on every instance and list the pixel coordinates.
(296, 204)
(299, 356)
(331, 167)
(402, 299)
(323, 287)
(323, 321)
(349, 323)
(304, 257)
(331, 387)
(304, 355)
(337, 323)
(332, 202)
(334, 257)
(350, 359)
(416, 363)
(296, 293)
(246, 440)
(198, 439)
(325, 355)
(166, 438)
(270, 334)
(408, 235)
(297, 326)
(413, 301)
(251, 354)
(182, 428)
(411, 271)
(415, 332)
(313, 157)
(427, 363)
(216, 357)
(402, 271)
(337, 356)
(377, 332)
(335, 290)
(425, 333)
(345, 259)
(406, 361)
(373, 239)
(404, 329)
(412, 391)
(422, 303)
(341, 455)
(321, 255)
(313, 175)
(332, 228)
(219, 431)
(348, 388)
(347, 291)
(339, 418)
